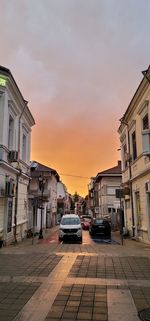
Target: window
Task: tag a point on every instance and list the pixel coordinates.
(10, 132)
(125, 155)
(145, 122)
(134, 150)
(111, 210)
(111, 190)
(24, 147)
(145, 134)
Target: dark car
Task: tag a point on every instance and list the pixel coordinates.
(100, 228)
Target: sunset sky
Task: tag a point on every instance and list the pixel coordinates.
(78, 63)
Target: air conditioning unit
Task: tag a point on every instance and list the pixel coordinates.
(13, 156)
(147, 186)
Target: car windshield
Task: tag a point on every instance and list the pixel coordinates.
(99, 221)
(70, 221)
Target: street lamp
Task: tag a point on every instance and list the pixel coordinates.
(41, 187)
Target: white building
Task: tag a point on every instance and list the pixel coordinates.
(107, 183)
(16, 121)
(42, 191)
(102, 191)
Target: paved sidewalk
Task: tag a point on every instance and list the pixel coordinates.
(50, 281)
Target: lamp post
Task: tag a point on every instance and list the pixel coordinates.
(41, 187)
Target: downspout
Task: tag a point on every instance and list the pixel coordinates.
(130, 176)
(130, 182)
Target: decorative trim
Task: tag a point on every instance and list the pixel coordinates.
(142, 106)
(12, 108)
(132, 125)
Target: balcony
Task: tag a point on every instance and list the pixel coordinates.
(37, 193)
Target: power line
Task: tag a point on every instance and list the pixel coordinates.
(77, 176)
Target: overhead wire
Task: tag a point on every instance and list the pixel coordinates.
(76, 176)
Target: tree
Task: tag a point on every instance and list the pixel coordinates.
(76, 197)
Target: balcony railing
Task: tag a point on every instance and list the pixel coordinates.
(37, 193)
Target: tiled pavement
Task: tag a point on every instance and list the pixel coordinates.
(61, 282)
(80, 302)
(13, 297)
(28, 264)
(111, 267)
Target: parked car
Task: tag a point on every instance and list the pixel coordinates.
(70, 228)
(108, 218)
(100, 228)
(86, 222)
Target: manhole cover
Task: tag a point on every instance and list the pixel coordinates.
(145, 314)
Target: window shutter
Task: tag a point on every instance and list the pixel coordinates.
(146, 143)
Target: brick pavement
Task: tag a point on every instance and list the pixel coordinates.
(62, 282)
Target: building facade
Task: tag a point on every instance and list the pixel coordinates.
(63, 200)
(134, 134)
(107, 182)
(102, 191)
(42, 196)
(16, 121)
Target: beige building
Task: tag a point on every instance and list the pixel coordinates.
(134, 133)
(107, 182)
(102, 191)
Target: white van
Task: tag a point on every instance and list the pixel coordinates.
(70, 228)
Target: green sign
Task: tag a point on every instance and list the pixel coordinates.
(2, 82)
(119, 193)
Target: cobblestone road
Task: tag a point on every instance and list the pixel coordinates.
(59, 282)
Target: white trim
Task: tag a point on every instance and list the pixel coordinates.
(143, 106)
(21, 222)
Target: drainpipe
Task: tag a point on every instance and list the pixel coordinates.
(130, 182)
(130, 177)
(18, 174)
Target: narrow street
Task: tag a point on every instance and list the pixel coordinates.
(93, 281)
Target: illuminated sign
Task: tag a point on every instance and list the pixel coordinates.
(2, 82)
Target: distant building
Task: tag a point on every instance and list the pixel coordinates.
(16, 121)
(102, 191)
(42, 193)
(63, 200)
(107, 182)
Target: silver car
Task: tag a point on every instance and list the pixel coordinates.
(70, 228)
